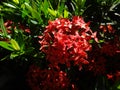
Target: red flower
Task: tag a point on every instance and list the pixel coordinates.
(9, 25)
(110, 76)
(107, 28)
(64, 41)
(47, 79)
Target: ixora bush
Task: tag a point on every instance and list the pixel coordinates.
(69, 44)
(64, 42)
(73, 52)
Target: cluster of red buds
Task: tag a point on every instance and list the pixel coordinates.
(67, 42)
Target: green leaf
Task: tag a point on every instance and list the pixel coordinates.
(28, 7)
(15, 54)
(16, 1)
(9, 5)
(6, 45)
(34, 22)
(61, 8)
(3, 28)
(52, 12)
(101, 41)
(118, 87)
(15, 44)
(27, 1)
(45, 7)
(23, 6)
(34, 13)
(25, 13)
(7, 56)
(19, 37)
(91, 41)
(83, 3)
(34, 5)
(66, 14)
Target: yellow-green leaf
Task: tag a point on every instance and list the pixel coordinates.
(52, 12)
(118, 87)
(65, 13)
(15, 44)
(6, 45)
(16, 1)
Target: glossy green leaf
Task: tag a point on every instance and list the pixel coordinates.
(15, 44)
(16, 1)
(34, 22)
(52, 12)
(66, 14)
(3, 28)
(9, 5)
(6, 45)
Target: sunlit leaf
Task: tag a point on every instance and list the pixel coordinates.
(16, 1)
(14, 44)
(66, 13)
(9, 5)
(52, 12)
(6, 45)
(34, 22)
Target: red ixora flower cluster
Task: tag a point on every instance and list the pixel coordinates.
(9, 25)
(48, 79)
(104, 58)
(64, 41)
(107, 28)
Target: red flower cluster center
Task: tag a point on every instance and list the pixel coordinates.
(64, 41)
